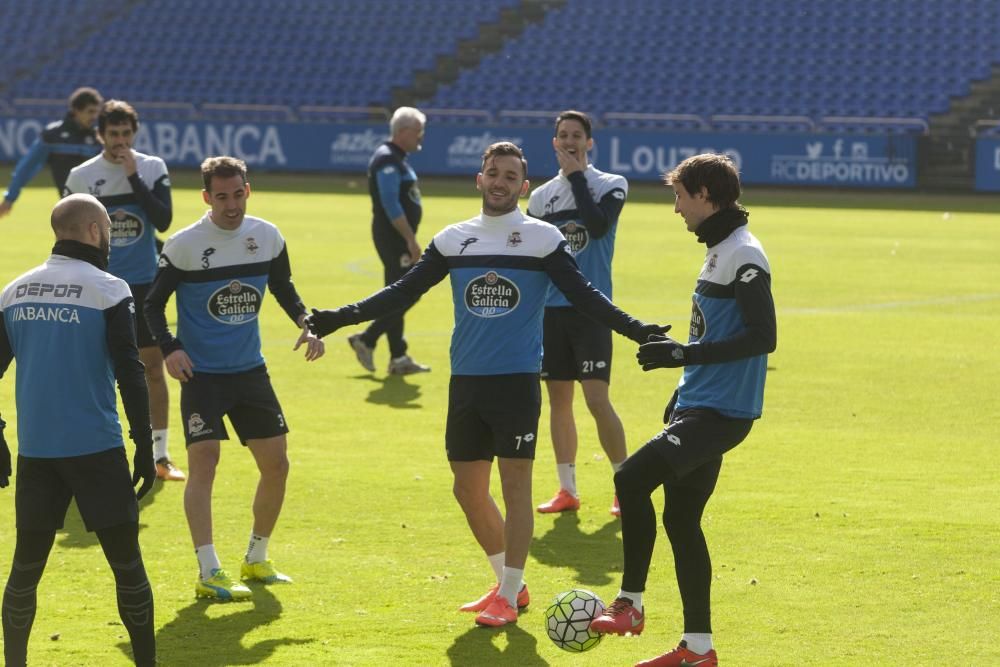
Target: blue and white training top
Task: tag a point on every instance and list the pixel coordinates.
(732, 297)
(70, 326)
(501, 268)
(220, 277)
(138, 206)
(585, 206)
(498, 286)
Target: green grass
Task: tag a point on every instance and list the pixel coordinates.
(858, 523)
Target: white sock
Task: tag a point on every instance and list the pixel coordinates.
(208, 560)
(510, 584)
(636, 598)
(159, 444)
(698, 642)
(257, 550)
(567, 477)
(617, 466)
(496, 562)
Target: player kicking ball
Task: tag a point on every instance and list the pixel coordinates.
(721, 393)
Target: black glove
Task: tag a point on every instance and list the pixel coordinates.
(143, 467)
(5, 471)
(640, 332)
(662, 352)
(325, 322)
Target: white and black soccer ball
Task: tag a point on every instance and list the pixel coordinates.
(567, 620)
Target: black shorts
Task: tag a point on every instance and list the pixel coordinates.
(575, 346)
(693, 444)
(247, 398)
(142, 336)
(493, 415)
(100, 482)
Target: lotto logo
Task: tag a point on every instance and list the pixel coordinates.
(748, 275)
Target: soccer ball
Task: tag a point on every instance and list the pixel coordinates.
(567, 620)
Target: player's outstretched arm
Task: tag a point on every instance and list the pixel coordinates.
(429, 271)
(565, 275)
(324, 322)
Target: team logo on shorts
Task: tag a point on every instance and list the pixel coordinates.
(491, 295)
(126, 228)
(196, 425)
(576, 236)
(235, 303)
(698, 324)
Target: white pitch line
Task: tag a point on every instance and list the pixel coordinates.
(364, 267)
(892, 305)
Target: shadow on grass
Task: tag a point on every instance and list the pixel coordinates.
(195, 638)
(477, 647)
(74, 534)
(395, 392)
(594, 556)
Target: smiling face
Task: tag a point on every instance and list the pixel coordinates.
(502, 183)
(693, 208)
(572, 137)
(228, 198)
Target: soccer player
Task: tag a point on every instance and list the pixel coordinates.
(501, 264)
(63, 144)
(135, 188)
(584, 203)
(720, 394)
(220, 267)
(71, 327)
(396, 212)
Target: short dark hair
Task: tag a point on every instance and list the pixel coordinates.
(117, 112)
(578, 116)
(222, 166)
(84, 97)
(714, 172)
(504, 148)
